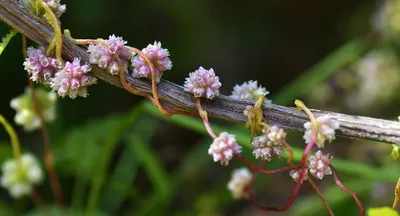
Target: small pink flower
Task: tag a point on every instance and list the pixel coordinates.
(103, 54)
(203, 83)
(295, 174)
(223, 148)
(73, 80)
(158, 56)
(319, 165)
(248, 91)
(39, 66)
(269, 144)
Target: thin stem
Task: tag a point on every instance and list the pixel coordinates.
(345, 189)
(13, 136)
(261, 170)
(314, 186)
(153, 80)
(57, 40)
(204, 117)
(290, 150)
(297, 187)
(300, 105)
(396, 195)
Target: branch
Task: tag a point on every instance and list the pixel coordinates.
(173, 95)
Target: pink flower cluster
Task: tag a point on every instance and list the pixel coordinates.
(269, 144)
(223, 148)
(319, 165)
(73, 80)
(103, 54)
(158, 56)
(41, 67)
(203, 83)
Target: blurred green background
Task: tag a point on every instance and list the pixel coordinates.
(115, 155)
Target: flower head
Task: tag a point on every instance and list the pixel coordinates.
(241, 178)
(295, 174)
(223, 148)
(54, 5)
(19, 177)
(319, 165)
(248, 91)
(203, 83)
(26, 114)
(158, 56)
(269, 144)
(73, 80)
(103, 54)
(40, 67)
(325, 127)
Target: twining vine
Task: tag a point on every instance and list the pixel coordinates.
(73, 77)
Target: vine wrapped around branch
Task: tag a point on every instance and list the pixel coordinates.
(174, 96)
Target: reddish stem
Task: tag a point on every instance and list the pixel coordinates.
(396, 195)
(261, 170)
(314, 186)
(345, 189)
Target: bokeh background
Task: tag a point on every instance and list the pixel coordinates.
(116, 156)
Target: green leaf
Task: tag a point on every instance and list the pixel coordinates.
(119, 185)
(344, 166)
(348, 53)
(110, 142)
(153, 166)
(6, 40)
(382, 211)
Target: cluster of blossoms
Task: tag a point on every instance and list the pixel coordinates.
(73, 80)
(318, 166)
(203, 83)
(158, 56)
(248, 91)
(240, 180)
(103, 54)
(41, 67)
(269, 144)
(26, 115)
(19, 176)
(223, 148)
(325, 128)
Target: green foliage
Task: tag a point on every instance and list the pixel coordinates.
(348, 53)
(6, 40)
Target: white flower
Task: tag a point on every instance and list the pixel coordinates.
(223, 148)
(26, 114)
(241, 178)
(325, 127)
(19, 177)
